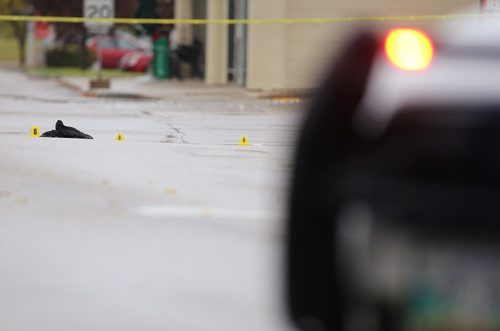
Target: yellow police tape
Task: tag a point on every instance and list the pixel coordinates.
(57, 19)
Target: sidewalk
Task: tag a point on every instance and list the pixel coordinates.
(145, 88)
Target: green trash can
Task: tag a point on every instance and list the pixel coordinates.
(161, 58)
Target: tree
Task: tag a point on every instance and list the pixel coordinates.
(74, 8)
(123, 8)
(18, 7)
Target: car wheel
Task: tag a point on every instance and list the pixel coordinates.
(314, 290)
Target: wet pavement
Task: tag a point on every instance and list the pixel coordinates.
(175, 228)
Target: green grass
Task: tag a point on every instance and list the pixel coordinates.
(9, 50)
(77, 72)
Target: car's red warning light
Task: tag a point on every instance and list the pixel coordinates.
(409, 49)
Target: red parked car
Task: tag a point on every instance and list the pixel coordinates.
(136, 61)
(113, 48)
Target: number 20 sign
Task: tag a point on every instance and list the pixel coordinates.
(98, 9)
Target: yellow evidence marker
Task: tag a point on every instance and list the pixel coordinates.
(35, 131)
(120, 137)
(244, 141)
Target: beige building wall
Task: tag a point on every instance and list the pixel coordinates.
(266, 50)
(292, 56)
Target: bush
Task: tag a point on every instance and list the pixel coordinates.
(69, 56)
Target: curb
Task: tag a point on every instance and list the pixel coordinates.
(285, 93)
(64, 83)
(102, 94)
(280, 96)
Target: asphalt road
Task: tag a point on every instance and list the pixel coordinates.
(175, 228)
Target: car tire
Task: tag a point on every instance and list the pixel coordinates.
(315, 295)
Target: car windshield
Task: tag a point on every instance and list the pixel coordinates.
(123, 44)
(107, 43)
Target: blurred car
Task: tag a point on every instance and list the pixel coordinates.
(114, 47)
(191, 54)
(138, 61)
(394, 214)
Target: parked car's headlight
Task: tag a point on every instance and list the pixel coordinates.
(134, 59)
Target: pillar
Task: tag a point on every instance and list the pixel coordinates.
(216, 48)
(183, 9)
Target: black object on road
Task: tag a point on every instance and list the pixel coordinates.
(63, 131)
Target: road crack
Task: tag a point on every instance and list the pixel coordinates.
(176, 136)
